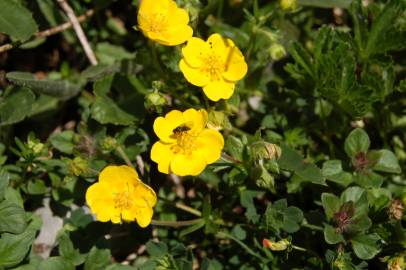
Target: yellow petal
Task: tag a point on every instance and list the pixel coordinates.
(218, 44)
(164, 126)
(161, 153)
(194, 75)
(194, 50)
(144, 195)
(210, 143)
(144, 216)
(177, 35)
(154, 6)
(219, 89)
(236, 67)
(198, 120)
(192, 164)
(177, 15)
(118, 176)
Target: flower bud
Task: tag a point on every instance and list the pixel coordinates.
(155, 99)
(276, 246)
(218, 120)
(108, 144)
(277, 51)
(396, 209)
(265, 150)
(288, 4)
(78, 166)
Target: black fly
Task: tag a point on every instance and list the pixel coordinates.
(180, 129)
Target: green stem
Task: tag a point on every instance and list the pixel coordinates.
(313, 227)
(176, 224)
(183, 207)
(155, 59)
(244, 246)
(124, 156)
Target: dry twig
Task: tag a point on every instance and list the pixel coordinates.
(79, 31)
(51, 31)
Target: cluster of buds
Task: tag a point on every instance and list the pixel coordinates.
(78, 166)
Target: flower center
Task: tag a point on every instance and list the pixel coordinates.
(214, 66)
(122, 201)
(158, 22)
(185, 142)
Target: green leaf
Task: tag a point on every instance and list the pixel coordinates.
(331, 204)
(109, 54)
(95, 73)
(387, 162)
(325, 3)
(68, 252)
(36, 187)
(21, 98)
(352, 194)
(279, 216)
(105, 111)
(331, 235)
(333, 171)
(366, 246)
(63, 141)
(382, 24)
(97, 259)
(292, 161)
(12, 218)
(157, 249)
(303, 58)
(16, 20)
(247, 200)
(356, 142)
(192, 228)
(59, 89)
(54, 263)
(239, 232)
(4, 180)
(14, 247)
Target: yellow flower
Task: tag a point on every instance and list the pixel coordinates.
(121, 195)
(216, 65)
(163, 22)
(186, 146)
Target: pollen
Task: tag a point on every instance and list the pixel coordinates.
(213, 66)
(158, 23)
(122, 201)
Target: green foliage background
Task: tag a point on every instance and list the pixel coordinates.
(335, 104)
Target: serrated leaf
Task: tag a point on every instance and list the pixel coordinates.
(16, 20)
(59, 89)
(21, 98)
(382, 24)
(4, 180)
